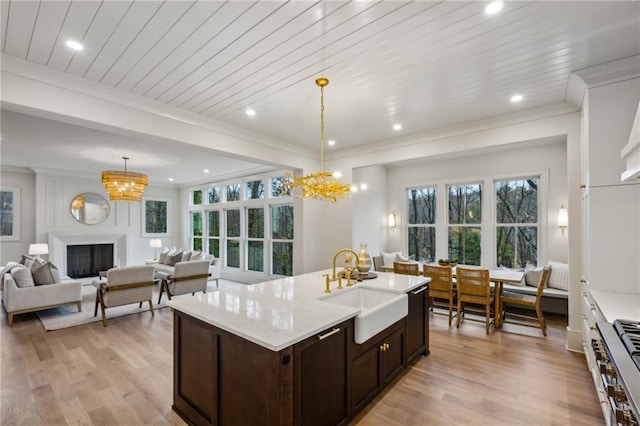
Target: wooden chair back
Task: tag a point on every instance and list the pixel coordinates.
(473, 282)
(378, 263)
(441, 278)
(406, 268)
(541, 284)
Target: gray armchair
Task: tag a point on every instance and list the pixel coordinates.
(132, 284)
(187, 277)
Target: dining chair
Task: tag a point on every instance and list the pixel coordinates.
(473, 287)
(378, 263)
(406, 268)
(526, 300)
(440, 286)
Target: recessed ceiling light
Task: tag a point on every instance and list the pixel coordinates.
(74, 45)
(331, 142)
(251, 112)
(170, 179)
(494, 7)
(364, 186)
(517, 98)
(337, 174)
(397, 127)
(206, 170)
(354, 188)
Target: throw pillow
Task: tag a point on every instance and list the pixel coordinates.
(24, 259)
(389, 258)
(558, 276)
(22, 276)
(186, 256)
(196, 255)
(532, 277)
(177, 257)
(35, 264)
(46, 274)
(163, 255)
(167, 259)
(208, 257)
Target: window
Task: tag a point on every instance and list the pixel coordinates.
(196, 231)
(282, 239)
(155, 217)
(255, 239)
(255, 190)
(213, 195)
(517, 222)
(233, 192)
(213, 227)
(465, 218)
(233, 238)
(421, 220)
(10, 214)
(279, 186)
(196, 198)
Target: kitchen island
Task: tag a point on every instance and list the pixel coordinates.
(280, 353)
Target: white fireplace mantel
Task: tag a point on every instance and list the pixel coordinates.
(58, 243)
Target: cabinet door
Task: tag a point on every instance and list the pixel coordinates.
(365, 378)
(321, 377)
(393, 356)
(417, 324)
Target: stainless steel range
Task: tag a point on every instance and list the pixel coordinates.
(618, 357)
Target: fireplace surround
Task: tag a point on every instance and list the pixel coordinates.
(58, 243)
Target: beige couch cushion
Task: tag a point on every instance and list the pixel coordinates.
(22, 276)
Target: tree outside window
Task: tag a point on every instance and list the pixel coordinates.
(233, 238)
(255, 239)
(213, 195)
(421, 220)
(213, 227)
(280, 186)
(156, 217)
(517, 222)
(233, 192)
(282, 239)
(196, 197)
(465, 218)
(196, 231)
(255, 190)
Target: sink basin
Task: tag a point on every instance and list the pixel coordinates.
(378, 309)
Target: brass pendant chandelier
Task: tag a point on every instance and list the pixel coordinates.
(321, 185)
(124, 186)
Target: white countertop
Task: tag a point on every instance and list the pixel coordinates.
(617, 305)
(276, 314)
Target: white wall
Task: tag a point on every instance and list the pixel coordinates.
(25, 180)
(369, 214)
(551, 159)
(53, 195)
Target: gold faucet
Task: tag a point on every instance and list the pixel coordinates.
(335, 257)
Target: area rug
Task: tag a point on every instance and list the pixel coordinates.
(68, 316)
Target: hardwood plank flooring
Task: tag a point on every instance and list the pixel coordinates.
(122, 375)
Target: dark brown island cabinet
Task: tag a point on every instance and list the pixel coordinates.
(326, 379)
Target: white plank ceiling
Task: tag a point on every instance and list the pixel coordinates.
(423, 64)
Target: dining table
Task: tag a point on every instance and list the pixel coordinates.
(498, 277)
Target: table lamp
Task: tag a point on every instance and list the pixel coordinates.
(155, 244)
(38, 249)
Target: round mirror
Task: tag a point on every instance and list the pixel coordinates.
(90, 208)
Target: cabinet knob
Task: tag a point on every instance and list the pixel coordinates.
(583, 186)
(382, 349)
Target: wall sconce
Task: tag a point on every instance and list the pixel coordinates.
(155, 244)
(563, 218)
(392, 221)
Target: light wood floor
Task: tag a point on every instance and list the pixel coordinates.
(122, 374)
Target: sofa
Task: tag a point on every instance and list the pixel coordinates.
(22, 293)
(169, 258)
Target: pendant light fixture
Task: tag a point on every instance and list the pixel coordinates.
(321, 185)
(124, 186)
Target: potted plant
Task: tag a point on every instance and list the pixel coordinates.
(447, 262)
